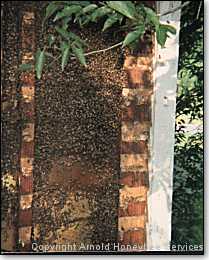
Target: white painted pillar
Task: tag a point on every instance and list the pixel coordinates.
(162, 135)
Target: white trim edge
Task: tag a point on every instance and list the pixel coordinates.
(162, 135)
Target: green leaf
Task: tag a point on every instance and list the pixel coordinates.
(51, 9)
(67, 11)
(126, 8)
(161, 36)
(63, 45)
(168, 28)
(85, 20)
(162, 33)
(102, 11)
(152, 16)
(51, 39)
(77, 38)
(65, 56)
(133, 36)
(40, 59)
(89, 8)
(26, 67)
(62, 32)
(82, 3)
(111, 20)
(65, 22)
(79, 55)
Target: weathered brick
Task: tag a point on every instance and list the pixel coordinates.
(139, 77)
(25, 201)
(28, 132)
(28, 110)
(134, 179)
(26, 184)
(28, 93)
(134, 237)
(131, 113)
(145, 112)
(128, 194)
(136, 123)
(130, 62)
(127, 179)
(27, 149)
(25, 247)
(27, 79)
(122, 212)
(141, 179)
(28, 17)
(144, 61)
(25, 217)
(136, 113)
(27, 56)
(128, 223)
(24, 235)
(135, 131)
(136, 95)
(27, 40)
(26, 166)
(136, 208)
(134, 162)
(134, 147)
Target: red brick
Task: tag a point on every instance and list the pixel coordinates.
(144, 61)
(26, 184)
(136, 208)
(25, 217)
(122, 212)
(27, 149)
(134, 237)
(28, 109)
(127, 179)
(139, 77)
(136, 113)
(136, 179)
(141, 179)
(26, 247)
(145, 112)
(27, 79)
(130, 113)
(134, 147)
(28, 38)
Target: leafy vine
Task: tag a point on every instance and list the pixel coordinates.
(130, 16)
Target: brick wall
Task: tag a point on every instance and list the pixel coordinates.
(136, 123)
(27, 82)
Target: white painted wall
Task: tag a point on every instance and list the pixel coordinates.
(162, 135)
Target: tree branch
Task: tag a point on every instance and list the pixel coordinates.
(90, 53)
(174, 9)
(198, 12)
(104, 50)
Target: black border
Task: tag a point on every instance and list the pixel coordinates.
(201, 252)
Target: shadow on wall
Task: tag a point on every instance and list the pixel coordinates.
(165, 105)
(161, 182)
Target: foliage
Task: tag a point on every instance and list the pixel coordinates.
(132, 17)
(188, 192)
(188, 168)
(190, 94)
